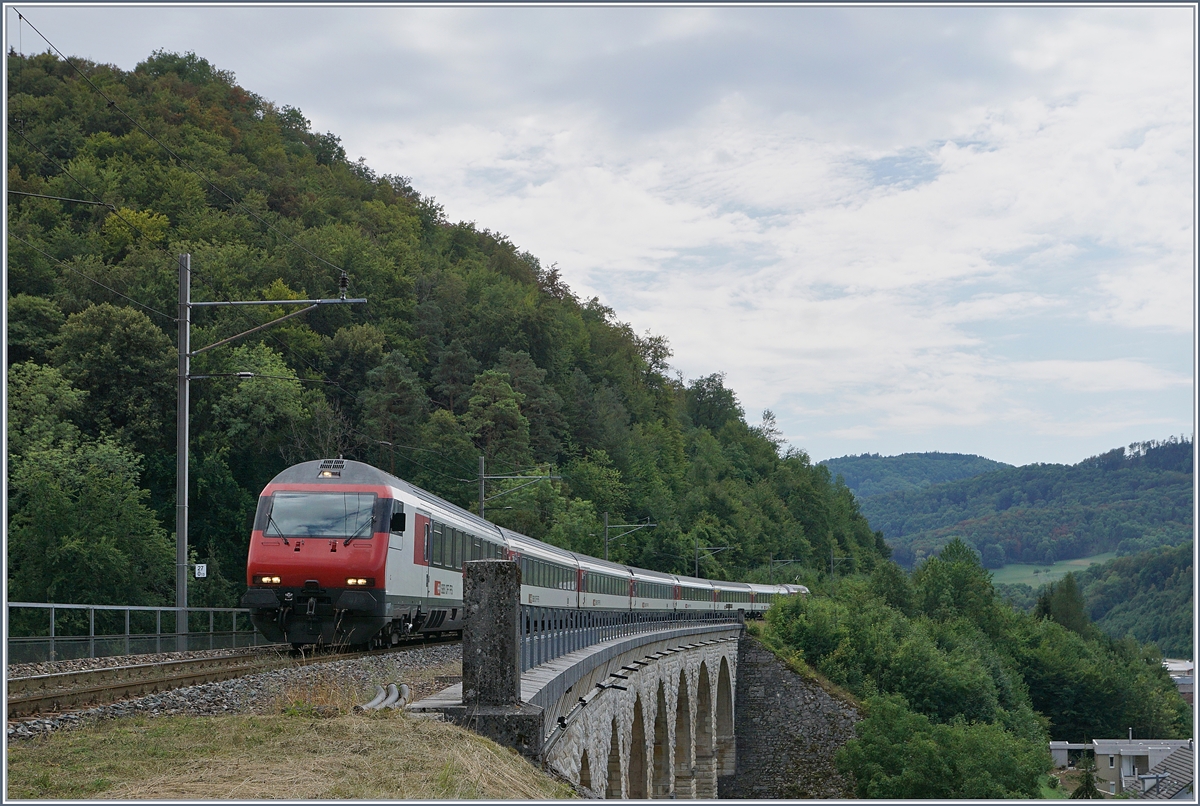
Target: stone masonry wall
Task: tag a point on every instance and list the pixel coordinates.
(788, 729)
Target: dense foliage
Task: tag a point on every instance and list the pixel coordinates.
(1127, 501)
(871, 474)
(468, 347)
(962, 691)
(1148, 596)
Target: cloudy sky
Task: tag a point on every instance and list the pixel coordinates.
(901, 229)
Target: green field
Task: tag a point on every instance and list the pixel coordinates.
(1038, 575)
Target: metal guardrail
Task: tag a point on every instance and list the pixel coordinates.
(549, 633)
(56, 646)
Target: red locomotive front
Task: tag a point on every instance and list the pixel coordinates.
(316, 568)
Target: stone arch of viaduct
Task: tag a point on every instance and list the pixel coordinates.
(660, 723)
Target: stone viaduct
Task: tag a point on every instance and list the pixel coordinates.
(656, 722)
(621, 707)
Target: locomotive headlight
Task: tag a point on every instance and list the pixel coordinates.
(266, 579)
(359, 581)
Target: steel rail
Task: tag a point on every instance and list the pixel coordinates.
(50, 693)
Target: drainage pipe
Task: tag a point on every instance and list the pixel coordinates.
(380, 696)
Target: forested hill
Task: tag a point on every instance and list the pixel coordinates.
(871, 474)
(468, 346)
(1147, 595)
(1123, 500)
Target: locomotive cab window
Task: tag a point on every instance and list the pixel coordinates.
(332, 514)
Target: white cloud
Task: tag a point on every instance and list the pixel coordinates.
(1114, 375)
(854, 212)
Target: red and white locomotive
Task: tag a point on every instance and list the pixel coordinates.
(344, 553)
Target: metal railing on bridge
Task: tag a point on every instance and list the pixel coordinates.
(549, 633)
(68, 631)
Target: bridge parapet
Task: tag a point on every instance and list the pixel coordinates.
(550, 633)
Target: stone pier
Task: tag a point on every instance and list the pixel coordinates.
(489, 697)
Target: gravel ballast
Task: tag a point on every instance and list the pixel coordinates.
(254, 693)
(19, 670)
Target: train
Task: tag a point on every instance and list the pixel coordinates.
(343, 554)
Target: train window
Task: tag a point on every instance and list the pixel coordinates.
(615, 586)
(398, 522)
(437, 544)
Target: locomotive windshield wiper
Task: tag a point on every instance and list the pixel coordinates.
(358, 533)
(270, 521)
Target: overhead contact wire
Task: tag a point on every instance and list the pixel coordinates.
(91, 279)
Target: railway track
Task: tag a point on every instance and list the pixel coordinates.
(65, 691)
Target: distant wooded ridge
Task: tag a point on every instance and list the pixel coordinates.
(1136, 501)
(870, 474)
(1125, 500)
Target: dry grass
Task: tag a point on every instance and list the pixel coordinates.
(327, 689)
(380, 756)
(290, 754)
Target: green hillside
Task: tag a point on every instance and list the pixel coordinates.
(871, 474)
(469, 346)
(1148, 595)
(1123, 501)
(961, 691)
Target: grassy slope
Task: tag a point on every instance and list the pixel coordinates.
(1037, 575)
(288, 751)
(290, 757)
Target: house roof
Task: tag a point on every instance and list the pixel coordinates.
(1130, 747)
(1176, 773)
